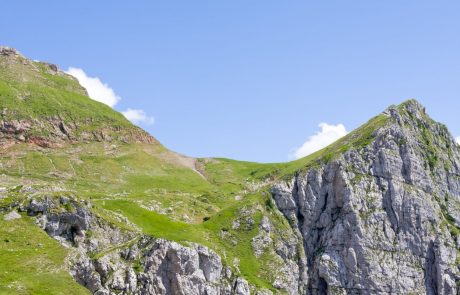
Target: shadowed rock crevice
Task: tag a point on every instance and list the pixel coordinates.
(431, 274)
(322, 287)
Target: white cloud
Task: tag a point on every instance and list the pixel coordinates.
(97, 90)
(457, 140)
(327, 135)
(101, 92)
(138, 116)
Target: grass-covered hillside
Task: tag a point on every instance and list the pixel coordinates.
(161, 193)
(165, 194)
(31, 262)
(41, 103)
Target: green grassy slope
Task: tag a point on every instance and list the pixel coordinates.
(33, 92)
(166, 195)
(228, 173)
(31, 262)
(165, 198)
(127, 179)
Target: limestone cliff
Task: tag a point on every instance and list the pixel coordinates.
(382, 219)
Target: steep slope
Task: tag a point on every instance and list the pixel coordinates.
(377, 212)
(42, 104)
(382, 219)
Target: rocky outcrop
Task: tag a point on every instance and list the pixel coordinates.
(108, 260)
(8, 51)
(382, 219)
(59, 132)
(155, 266)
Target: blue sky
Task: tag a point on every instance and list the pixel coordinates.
(250, 80)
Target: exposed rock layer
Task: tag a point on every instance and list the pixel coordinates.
(383, 219)
(108, 260)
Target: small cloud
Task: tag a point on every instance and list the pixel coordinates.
(97, 90)
(457, 139)
(138, 117)
(102, 92)
(327, 135)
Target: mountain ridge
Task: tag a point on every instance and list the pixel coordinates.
(376, 212)
(42, 104)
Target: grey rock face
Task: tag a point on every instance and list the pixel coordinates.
(107, 260)
(8, 51)
(173, 269)
(382, 219)
(241, 287)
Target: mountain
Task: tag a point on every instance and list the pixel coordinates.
(90, 203)
(42, 104)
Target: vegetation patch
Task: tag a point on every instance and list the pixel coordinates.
(32, 265)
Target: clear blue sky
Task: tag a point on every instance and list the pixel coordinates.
(251, 80)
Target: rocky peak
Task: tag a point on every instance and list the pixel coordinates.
(14, 56)
(413, 106)
(407, 110)
(382, 218)
(8, 51)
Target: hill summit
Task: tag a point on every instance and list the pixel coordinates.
(42, 104)
(89, 205)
